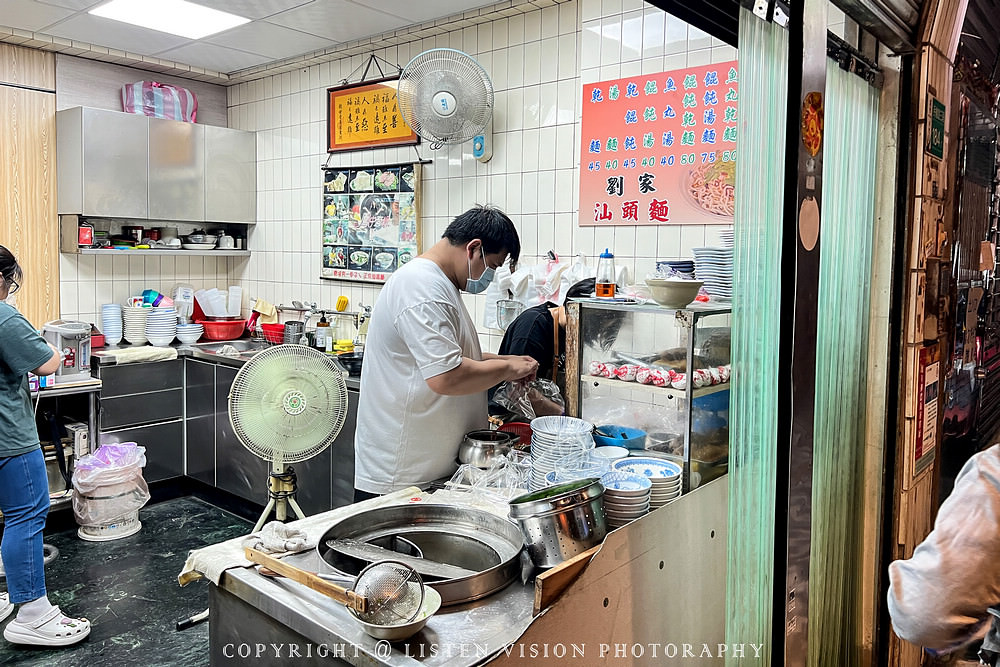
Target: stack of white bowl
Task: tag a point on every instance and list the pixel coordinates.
(665, 477)
(161, 326)
(111, 323)
(189, 333)
(554, 438)
(626, 497)
(135, 324)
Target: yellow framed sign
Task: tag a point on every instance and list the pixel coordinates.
(365, 115)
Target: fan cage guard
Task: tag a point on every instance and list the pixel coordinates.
(453, 71)
(288, 403)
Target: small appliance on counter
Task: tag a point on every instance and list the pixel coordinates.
(72, 339)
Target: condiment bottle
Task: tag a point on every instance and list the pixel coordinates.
(604, 285)
(322, 333)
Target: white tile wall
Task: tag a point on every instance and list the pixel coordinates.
(538, 60)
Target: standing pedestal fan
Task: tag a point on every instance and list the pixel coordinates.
(287, 404)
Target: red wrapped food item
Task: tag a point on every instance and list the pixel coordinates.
(627, 372)
(679, 381)
(601, 369)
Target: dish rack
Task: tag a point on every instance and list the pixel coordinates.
(274, 334)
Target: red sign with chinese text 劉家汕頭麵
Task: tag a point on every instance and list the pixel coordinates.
(661, 148)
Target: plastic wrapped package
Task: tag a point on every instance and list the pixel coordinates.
(108, 485)
(506, 478)
(159, 100)
(516, 396)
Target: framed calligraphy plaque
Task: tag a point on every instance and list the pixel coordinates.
(365, 115)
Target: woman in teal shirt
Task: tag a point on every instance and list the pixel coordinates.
(24, 487)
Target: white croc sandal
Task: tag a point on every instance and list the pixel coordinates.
(5, 607)
(52, 629)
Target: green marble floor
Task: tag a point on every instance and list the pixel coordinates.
(128, 589)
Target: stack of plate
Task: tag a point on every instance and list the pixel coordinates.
(189, 333)
(161, 326)
(726, 238)
(135, 324)
(626, 497)
(552, 440)
(714, 266)
(683, 267)
(111, 323)
(665, 477)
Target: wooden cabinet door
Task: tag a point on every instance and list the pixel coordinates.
(28, 222)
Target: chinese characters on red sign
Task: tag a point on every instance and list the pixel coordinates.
(660, 148)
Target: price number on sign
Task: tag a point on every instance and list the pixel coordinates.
(594, 166)
(729, 156)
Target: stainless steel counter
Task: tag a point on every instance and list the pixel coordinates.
(251, 613)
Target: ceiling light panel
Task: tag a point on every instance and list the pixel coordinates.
(176, 17)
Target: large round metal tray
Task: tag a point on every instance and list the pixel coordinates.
(470, 538)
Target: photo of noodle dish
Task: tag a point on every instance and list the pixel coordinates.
(712, 188)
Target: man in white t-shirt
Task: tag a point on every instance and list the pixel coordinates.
(424, 380)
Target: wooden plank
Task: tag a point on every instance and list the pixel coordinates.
(551, 584)
(29, 226)
(27, 67)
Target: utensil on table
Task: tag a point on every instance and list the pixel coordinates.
(373, 553)
(384, 593)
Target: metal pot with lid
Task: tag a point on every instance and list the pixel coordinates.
(561, 521)
(482, 448)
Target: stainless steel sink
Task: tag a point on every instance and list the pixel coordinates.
(242, 345)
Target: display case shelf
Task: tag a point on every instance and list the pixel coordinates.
(157, 253)
(652, 389)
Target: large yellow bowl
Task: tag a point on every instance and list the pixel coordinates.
(673, 293)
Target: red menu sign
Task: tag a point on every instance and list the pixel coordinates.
(660, 149)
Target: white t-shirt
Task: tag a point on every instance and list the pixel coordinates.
(407, 434)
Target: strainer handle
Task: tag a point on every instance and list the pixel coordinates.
(350, 599)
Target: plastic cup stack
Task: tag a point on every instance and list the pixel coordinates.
(111, 323)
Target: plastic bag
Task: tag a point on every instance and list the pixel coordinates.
(159, 100)
(516, 396)
(108, 484)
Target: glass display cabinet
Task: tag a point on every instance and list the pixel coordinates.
(628, 365)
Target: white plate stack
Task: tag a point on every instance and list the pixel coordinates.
(189, 333)
(626, 497)
(726, 238)
(161, 326)
(714, 266)
(665, 477)
(135, 324)
(111, 323)
(552, 440)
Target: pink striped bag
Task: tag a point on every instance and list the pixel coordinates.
(159, 100)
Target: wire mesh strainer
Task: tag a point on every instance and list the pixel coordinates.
(394, 592)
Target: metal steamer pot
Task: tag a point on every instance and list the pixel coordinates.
(483, 447)
(465, 537)
(561, 521)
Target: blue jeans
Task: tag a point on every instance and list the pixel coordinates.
(24, 501)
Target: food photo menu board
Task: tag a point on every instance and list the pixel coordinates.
(660, 148)
(370, 221)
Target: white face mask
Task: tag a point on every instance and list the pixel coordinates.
(482, 282)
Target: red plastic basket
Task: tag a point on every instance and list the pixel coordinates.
(273, 333)
(521, 429)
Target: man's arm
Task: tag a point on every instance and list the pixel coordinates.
(938, 598)
(473, 376)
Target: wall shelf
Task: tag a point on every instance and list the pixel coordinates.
(652, 389)
(189, 253)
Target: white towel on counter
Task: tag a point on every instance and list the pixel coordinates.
(132, 355)
(279, 539)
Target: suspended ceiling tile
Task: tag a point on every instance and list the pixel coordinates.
(213, 57)
(33, 15)
(340, 21)
(274, 41)
(74, 4)
(425, 10)
(254, 9)
(97, 30)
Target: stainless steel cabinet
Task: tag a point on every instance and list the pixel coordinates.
(230, 175)
(199, 422)
(238, 470)
(176, 170)
(143, 403)
(101, 163)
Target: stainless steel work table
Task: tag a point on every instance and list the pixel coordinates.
(251, 614)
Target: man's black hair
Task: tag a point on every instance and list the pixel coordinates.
(491, 226)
